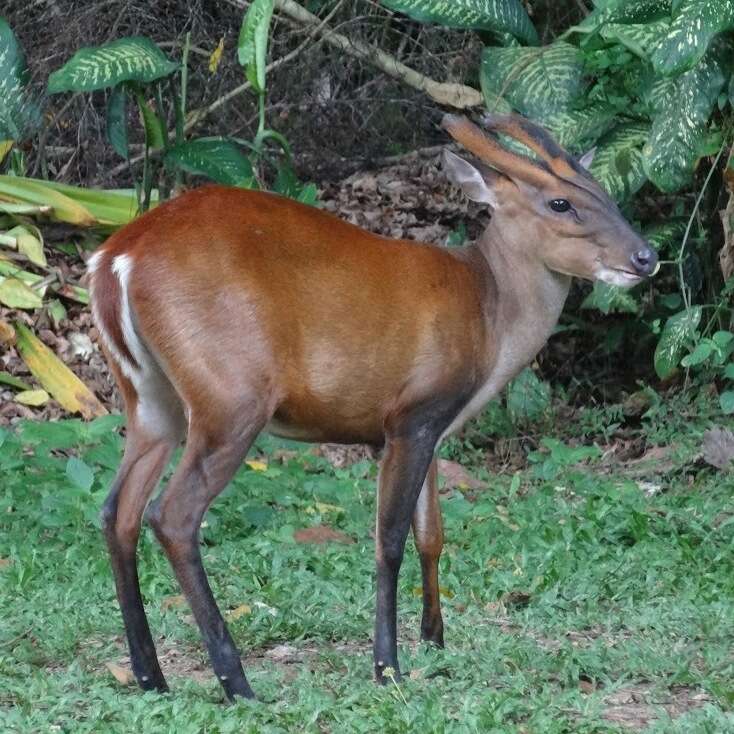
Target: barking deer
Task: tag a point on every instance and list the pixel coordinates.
(227, 312)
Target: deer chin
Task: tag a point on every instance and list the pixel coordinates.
(616, 276)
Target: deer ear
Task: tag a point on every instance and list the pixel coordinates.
(587, 158)
(475, 185)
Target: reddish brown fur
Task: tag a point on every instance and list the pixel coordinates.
(250, 261)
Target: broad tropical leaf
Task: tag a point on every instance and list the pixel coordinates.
(617, 164)
(135, 59)
(18, 113)
(667, 237)
(678, 332)
(579, 129)
(610, 299)
(625, 11)
(535, 81)
(218, 158)
(682, 108)
(695, 23)
(252, 45)
(640, 38)
(501, 16)
(117, 120)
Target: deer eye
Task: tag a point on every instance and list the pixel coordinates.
(559, 205)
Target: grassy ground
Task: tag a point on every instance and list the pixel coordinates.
(578, 597)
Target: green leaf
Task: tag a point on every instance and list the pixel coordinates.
(667, 237)
(117, 120)
(527, 397)
(252, 45)
(640, 38)
(15, 293)
(610, 299)
(155, 130)
(501, 16)
(682, 109)
(18, 112)
(217, 158)
(535, 81)
(729, 372)
(699, 355)
(79, 474)
(627, 11)
(579, 129)
(617, 165)
(695, 23)
(132, 59)
(726, 401)
(679, 330)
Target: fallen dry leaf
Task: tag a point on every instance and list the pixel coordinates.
(7, 333)
(239, 611)
(5, 562)
(55, 376)
(256, 465)
(124, 676)
(176, 601)
(455, 476)
(718, 448)
(319, 534)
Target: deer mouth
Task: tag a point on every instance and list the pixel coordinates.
(618, 276)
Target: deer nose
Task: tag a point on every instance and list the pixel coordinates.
(645, 260)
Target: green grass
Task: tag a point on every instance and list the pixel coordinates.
(565, 587)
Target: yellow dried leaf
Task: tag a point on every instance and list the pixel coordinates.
(124, 676)
(33, 398)
(256, 465)
(55, 377)
(16, 294)
(173, 602)
(240, 611)
(5, 146)
(216, 56)
(7, 333)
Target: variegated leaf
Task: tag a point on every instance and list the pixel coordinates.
(667, 237)
(578, 130)
(678, 332)
(217, 158)
(252, 44)
(535, 81)
(617, 164)
(18, 112)
(127, 59)
(501, 16)
(640, 38)
(695, 23)
(682, 108)
(625, 11)
(610, 299)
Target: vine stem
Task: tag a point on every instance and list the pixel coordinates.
(684, 243)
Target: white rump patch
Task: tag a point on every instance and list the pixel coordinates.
(93, 262)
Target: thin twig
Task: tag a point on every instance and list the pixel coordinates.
(684, 243)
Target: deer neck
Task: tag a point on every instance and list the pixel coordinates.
(528, 297)
(523, 302)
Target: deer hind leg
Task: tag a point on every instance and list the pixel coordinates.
(215, 448)
(148, 448)
(428, 535)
